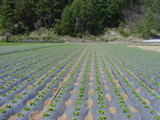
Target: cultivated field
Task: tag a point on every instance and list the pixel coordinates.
(78, 81)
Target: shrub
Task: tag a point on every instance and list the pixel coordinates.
(79, 35)
(106, 29)
(107, 40)
(113, 39)
(102, 39)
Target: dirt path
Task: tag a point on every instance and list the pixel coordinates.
(149, 48)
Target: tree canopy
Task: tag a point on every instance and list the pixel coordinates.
(69, 16)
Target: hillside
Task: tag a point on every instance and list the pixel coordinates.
(80, 18)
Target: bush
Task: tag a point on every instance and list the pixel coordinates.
(106, 29)
(147, 34)
(3, 40)
(107, 40)
(113, 39)
(79, 35)
(39, 33)
(122, 32)
(102, 39)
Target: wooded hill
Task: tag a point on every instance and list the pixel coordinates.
(80, 17)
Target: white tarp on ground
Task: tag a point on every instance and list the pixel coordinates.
(152, 40)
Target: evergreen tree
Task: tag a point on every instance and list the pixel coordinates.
(156, 6)
(7, 20)
(147, 24)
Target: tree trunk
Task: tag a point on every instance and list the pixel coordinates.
(76, 26)
(6, 36)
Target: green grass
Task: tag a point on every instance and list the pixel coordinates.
(9, 44)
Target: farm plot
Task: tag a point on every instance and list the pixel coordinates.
(79, 81)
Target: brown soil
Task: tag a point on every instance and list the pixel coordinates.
(113, 76)
(90, 73)
(3, 106)
(108, 97)
(17, 94)
(138, 90)
(103, 76)
(133, 110)
(106, 87)
(89, 116)
(119, 86)
(65, 78)
(76, 83)
(125, 96)
(61, 83)
(90, 92)
(44, 75)
(112, 110)
(38, 79)
(90, 83)
(28, 86)
(100, 68)
(29, 101)
(126, 78)
(39, 91)
(6, 82)
(63, 117)
(78, 78)
(91, 78)
(89, 103)
(47, 103)
(47, 84)
(80, 73)
(12, 117)
(101, 72)
(34, 115)
(131, 83)
(58, 73)
(152, 90)
(55, 90)
(148, 48)
(68, 103)
(121, 73)
(144, 83)
(147, 101)
(104, 81)
(73, 91)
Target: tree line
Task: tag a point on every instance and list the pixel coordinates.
(77, 17)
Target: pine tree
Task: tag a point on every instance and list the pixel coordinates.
(147, 24)
(156, 6)
(7, 20)
(149, 20)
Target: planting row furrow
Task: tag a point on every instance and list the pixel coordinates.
(55, 86)
(132, 93)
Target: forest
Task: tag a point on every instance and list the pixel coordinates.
(80, 17)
